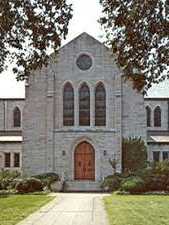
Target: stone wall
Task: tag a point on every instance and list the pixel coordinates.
(104, 143)
(133, 116)
(7, 107)
(163, 103)
(34, 126)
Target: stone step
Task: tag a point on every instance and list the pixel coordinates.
(83, 186)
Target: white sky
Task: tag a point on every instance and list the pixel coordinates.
(85, 16)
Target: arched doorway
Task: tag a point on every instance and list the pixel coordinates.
(84, 162)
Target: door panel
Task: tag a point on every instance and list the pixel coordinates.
(84, 162)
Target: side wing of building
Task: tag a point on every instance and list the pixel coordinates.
(11, 117)
(157, 111)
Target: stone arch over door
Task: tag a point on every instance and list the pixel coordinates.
(84, 162)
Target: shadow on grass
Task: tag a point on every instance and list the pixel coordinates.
(8, 194)
(4, 195)
(33, 193)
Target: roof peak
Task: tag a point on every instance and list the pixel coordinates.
(83, 34)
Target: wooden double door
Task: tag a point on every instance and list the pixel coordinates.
(84, 162)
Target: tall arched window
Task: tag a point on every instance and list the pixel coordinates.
(68, 105)
(148, 114)
(84, 105)
(17, 117)
(100, 105)
(157, 117)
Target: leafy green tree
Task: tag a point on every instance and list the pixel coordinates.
(29, 31)
(134, 154)
(138, 32)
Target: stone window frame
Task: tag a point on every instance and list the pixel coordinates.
(87, 120)
(84, 53)
(157, 120)
(105, 104)
(167, 158)
(17, 117)
(148, 116)
(5, 161)
(160, 154)
(92, 86)
(12, 159)
(79, 62)
(63, 98)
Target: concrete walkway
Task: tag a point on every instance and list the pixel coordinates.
(71, 209)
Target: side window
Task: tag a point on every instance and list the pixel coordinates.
(166, 155)
(7, 160)
(17, 117)
(100, 105)
(148, 115)
(16, 159)
(68, 105)
(84, 105)
(156, 156)
(157, 117)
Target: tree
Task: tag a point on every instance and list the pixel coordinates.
(134, 154)
(29, 31)
(138, 32)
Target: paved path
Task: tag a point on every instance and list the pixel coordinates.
(71, 209)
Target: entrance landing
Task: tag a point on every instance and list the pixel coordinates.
(83, 186)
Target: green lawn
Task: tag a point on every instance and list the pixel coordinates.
(137, 210)
(14, 208)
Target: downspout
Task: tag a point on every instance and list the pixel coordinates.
(121, 127)
(54, 120)
(4, 115)
(168, 115)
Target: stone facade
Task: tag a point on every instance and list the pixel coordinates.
(47, 145)
(45, 137)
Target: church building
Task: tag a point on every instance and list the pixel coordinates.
(75, 114)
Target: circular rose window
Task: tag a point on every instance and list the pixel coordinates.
(84, 62)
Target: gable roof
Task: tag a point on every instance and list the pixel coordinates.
(84, 35)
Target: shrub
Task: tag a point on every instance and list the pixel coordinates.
(29, 185)
(133, 184)
(134, 154)
(7, 178)
(9, 174)
(158, 180)
(47, 178)
(111, 183)
(47, 175)
(161, 167)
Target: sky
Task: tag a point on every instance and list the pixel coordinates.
(85, 16)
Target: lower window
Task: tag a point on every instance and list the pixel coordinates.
(16, 160)
(156, 156)
(165, 155)
(7, 159)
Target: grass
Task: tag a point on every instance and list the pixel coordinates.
(14, 208)
(137, 210)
